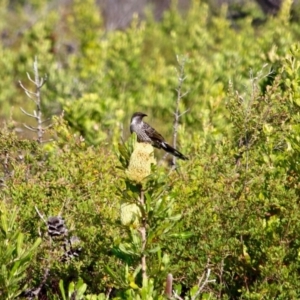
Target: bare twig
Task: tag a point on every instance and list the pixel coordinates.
(176, 296)
(143, 236)
(203, 281)
(30, 128)
(183, 112)
(27, 114)
(40, 215)
(180, 95)
(27, 92)
(108, 292)
(35, 292)
(36, 97)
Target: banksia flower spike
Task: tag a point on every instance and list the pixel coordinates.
(140, 162)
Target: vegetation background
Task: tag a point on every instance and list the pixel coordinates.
(225, 224)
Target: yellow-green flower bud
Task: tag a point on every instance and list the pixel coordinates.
(130, 214)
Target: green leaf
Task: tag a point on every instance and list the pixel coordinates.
(114, 275)
(20, 240)
(80, 287)
(182, 235)
(154, 250)
(71, 289)
(4, 225)
(62, 289)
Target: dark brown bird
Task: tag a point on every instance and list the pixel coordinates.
(146, 134)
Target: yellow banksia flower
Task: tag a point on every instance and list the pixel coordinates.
(140, 162)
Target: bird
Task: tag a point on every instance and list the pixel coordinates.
(147, 134)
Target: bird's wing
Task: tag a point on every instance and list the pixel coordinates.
(156, 137)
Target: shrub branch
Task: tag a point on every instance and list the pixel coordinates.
(180, 95)
(36, 97)
(143, 236)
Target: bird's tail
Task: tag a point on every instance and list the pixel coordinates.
(173, 151)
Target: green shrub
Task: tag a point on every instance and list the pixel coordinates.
(15, 254)
(231, 209)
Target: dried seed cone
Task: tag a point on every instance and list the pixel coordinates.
(130, 214)
(140, 162)
(56, 226)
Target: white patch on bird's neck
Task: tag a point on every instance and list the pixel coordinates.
(136, 121)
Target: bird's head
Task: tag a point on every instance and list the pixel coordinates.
(137, 117)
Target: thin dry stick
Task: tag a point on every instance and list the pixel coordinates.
(36, 292)
(144, 237)
(108, 292)
(180, 95)
(40, 215)
(36, 97)
(202, 284)
(176, 296)
(203, 281)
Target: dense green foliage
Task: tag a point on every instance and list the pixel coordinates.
(231, 209)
